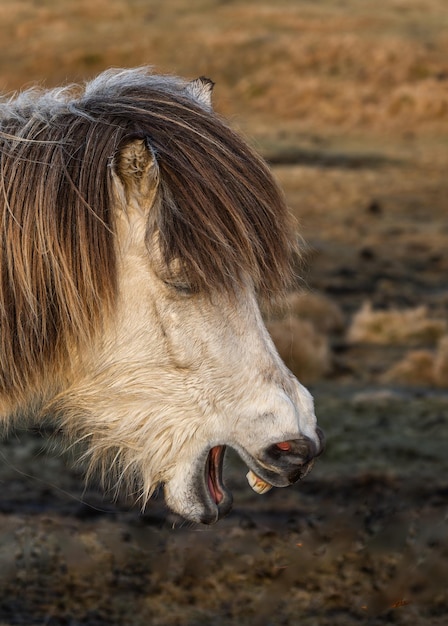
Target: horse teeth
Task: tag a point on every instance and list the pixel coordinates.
(258, 484)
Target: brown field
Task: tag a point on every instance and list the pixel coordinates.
(348, 100)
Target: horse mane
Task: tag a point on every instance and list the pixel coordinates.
(220, 216)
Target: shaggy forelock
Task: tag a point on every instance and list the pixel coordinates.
(220, 218)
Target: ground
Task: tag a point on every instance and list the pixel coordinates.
(348, 101)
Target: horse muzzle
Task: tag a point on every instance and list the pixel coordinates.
(278, 465)
(284, 463)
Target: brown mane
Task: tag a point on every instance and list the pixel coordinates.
(220, 215)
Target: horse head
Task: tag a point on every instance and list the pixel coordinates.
(180, 366)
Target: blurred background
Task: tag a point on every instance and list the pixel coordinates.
(348, 102)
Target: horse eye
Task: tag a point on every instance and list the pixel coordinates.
(182, 288)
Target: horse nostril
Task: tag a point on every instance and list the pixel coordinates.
(285, 446)
(291, 459)
(303, 449)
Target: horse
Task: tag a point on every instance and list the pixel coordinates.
(140, 236)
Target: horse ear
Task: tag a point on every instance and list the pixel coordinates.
(137, 169)
(201, 90)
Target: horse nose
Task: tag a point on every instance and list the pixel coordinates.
(295, 457)
(299, 450)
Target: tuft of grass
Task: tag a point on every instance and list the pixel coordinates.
(395, 327)
(422, 367)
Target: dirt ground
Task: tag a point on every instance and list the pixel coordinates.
(349, 103)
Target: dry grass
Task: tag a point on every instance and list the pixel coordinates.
(301, 331)
(422, 367)
(416, 368)
(302, 347)
(323, 313)
(394, 327)
(378, 66)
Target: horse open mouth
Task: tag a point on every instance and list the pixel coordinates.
(262, 476)
(220, 496)
(213, 473)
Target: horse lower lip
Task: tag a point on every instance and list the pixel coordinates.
(300, 473)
